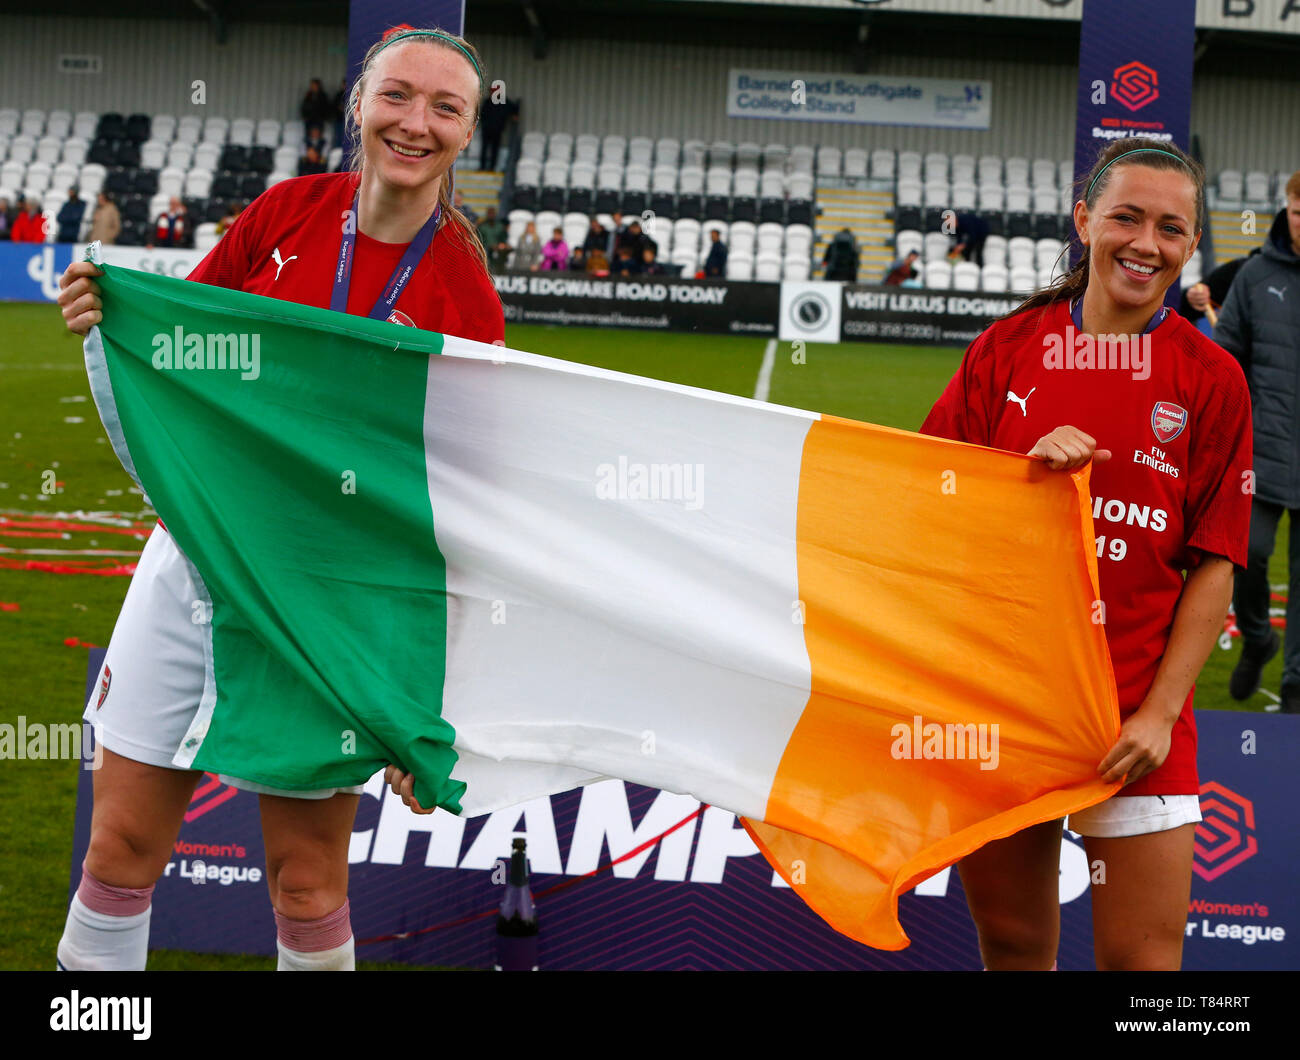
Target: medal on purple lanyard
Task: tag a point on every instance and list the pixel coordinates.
(401, 275)
(1076, 314)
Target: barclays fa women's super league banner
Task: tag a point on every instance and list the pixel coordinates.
(1135, 75)
(703, 897)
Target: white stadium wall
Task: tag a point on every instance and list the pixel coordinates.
(635, 86)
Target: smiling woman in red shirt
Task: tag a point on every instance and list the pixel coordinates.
(384, 241)
(1095, 368)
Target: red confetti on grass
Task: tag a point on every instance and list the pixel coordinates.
(8, 607)
(75, 642)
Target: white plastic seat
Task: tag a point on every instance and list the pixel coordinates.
(882, 164)
(1016, 171)
(1020, 253)
(153, 155)
(1042, 174)
(640, 151)
(1256, 185)
(829, 160)
(171, 181)
(206, 155)
(963, 196)
(74, 150)
(205, 237)
(908, 240)
(668, 151)
(966, 276)
(268, 133)
(84, 124)
(767, 268)
(533, 147)
(613, 150)
(1046, 251)
(91, 178)
(215, 130)
(994, 278)
(162, 127)
(962, 169)
(33, 123)
(796, 269)
(241, 133)
(48, 149)
(936, 167)
(995, 250)
(1022, 281)
(690, 180)
(937, 246)
(1018, 198)
(284, 159)
(989, 169)
(909, 165)
(909, 192)
(198, 183)
(740, 266)
(802, 159)
(22, 148)
(937, 275)
(559, 148)
(1046, 202)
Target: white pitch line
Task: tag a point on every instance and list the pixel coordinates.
(764, 385)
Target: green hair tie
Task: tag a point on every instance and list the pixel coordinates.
(408, 33)
(1135, 151)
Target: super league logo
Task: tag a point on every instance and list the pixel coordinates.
(1226, 835)
(1135, 85)
(210, 794)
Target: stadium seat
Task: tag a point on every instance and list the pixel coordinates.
(1255, 185)
(163, 128)
(668, 152)
(74, 150)
(1015, 171)
(908, 193)
(261, 159)
(994, 278)
(936, 168)
(234, 158)
(965, 276)
(722, 154)
(796, 269)
(1020, 253)
(334, 160)
(1046, 201)
(144, 182)
(189, 129)
(32, 123)
(180, 154)
(937, 246)
(171, 181)
(694, 153)
(829, 160)
(205, 237)
(1018, 198)
(206, 155)
(1042, 174)
(9, 119)
(1046, 251)
(21, 149)
(937, 275)
(1019, 224)
(1231, 186)
(559, 148)
(284, 159)
(48, 150)
(962, 169)
(91, 178)
(739, 267)
(64, 175)
(267, 134)
(215, 130)
(640, 151)
(803, 159)
(293, 133)
(12, 173)
(1046, 226)
(767, 268)
(198, 183)
(882, 164)
(907, 241)
(776, 156)
(963, 197)
(241, 132)
(909, 166)
(153, 154)
(613, 151)
(532, 147)
(84, 124)
(1022, 281)
(995, 250)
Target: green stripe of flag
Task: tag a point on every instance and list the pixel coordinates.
(297, 479)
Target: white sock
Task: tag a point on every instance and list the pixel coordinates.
(339, 959)
(98, 942)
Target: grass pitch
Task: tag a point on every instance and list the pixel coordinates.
(50, 434)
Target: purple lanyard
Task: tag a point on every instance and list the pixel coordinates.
(397, 282)
(1076, 313)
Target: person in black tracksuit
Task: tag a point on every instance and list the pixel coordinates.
(1260, 326)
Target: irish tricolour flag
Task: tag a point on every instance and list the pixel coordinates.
(512, 575)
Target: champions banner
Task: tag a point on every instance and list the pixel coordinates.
(702, 898)
(806, 95)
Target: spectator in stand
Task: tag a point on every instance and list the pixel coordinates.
(650, 261)
(597, 263)
(1201, 301)
(6, 220)
(597, 238)
(316, 108)
(715, 265)
(555, 254)
(972, 231)
(612, 236)
(493, 234)
(69, 218)
(29, 226)
(578, 262)
(310, 163)
(340, 110)
(841, 257)
(172, 227)
(106, 222)
(315, 139)
(458, 201)
(624, 262)
(903, 269)
(528, 251)
(496, 118)
(233, 210)
(636, 239)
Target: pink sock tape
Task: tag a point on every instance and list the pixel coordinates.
(112, 901)
(313, 936)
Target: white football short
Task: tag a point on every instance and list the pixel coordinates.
(156, 665)
(1123, 815)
